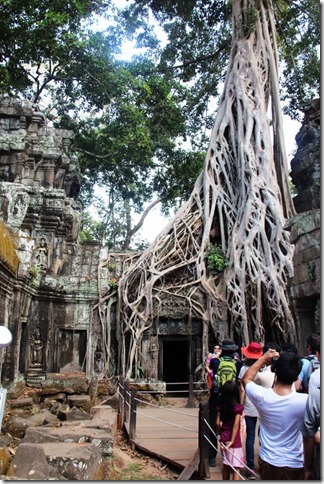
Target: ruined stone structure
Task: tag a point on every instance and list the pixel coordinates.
(49, 285)
(48, 282)
(305, 226)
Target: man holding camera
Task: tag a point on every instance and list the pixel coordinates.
(281, 411)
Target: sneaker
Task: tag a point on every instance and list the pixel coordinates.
(251, 477)
(212, 462)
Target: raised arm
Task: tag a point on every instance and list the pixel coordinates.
(253, 370)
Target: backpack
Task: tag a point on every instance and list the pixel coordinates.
(313, 365)
(226, 371)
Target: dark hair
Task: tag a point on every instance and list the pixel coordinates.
(229, 397)
(250, 361)
(287, 367)
(228, 352)
(272, 345)
(289, 347)
(313, 341)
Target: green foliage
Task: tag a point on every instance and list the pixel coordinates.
(199, 41)
(34, 272)
(249, 21)
(216, 262)
(39, 39)
(91, 229)
(135, 472)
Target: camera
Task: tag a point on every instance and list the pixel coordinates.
(274, 363)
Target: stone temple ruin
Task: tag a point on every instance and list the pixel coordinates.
(49, 280)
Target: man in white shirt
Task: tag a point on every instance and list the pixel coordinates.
(281, 412)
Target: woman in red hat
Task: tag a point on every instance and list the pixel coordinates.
(251, 353)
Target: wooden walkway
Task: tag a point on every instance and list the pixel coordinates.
(168, 435)
(171, 434)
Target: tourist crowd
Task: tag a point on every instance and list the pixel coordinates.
(269, 393)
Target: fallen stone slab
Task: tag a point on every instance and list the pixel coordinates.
(63, 383)
(81, 402)
(17, 425)
(76, 462)
(73, 434)
(21, 403)
(103, 417)
(30, 463)
(72, 414)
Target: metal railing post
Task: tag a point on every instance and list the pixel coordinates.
(126, 401)
(190, 403)
(203, 468)
(132, 418)
(121, 403)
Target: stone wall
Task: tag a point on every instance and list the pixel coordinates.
(47, 303)
(305, 226)
(306, 164)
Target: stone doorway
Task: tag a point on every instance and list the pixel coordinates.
(72, 347)
(175, 364)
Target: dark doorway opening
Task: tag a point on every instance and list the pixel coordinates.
(176, 367)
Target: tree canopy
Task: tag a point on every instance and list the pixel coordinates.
(142, 125)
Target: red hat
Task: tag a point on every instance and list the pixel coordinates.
(253, 350)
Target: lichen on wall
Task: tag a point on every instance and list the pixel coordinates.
(8, 255)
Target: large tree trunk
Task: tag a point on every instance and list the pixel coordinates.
(241, 196)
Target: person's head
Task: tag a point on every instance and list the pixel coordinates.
(289, 347)
(217, 348)
(317, 348)
(228, 347)
(287, 367)
(271, 345)
(229, 396)
(312, 343)
(252, 352)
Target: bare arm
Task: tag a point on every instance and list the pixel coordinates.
(242, 393)
(298, 384)
(218, 423)
(235, 429)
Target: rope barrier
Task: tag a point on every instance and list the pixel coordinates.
(165, 421)
(166, 408)
(224, 446)
(171, 391)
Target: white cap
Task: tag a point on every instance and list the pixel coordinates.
(5, 337)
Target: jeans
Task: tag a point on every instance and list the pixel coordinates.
(250, 437)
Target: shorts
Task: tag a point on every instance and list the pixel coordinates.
(233, 456)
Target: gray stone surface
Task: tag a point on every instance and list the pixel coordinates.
(60, 461)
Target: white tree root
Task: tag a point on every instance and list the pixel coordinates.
(242, 193)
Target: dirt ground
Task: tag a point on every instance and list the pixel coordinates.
(127, 464)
